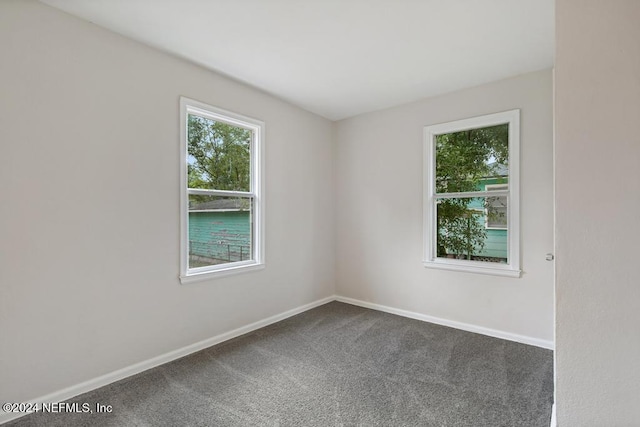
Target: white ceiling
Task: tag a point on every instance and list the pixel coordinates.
(340, 58)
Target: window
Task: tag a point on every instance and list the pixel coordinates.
(221, 196)
(471, 210)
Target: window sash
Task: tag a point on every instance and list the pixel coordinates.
(208, 241)
(219, 117)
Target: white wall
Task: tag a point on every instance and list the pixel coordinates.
(379, 212)
(597, 105)
(89, 227)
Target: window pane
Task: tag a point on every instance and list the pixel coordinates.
(220, 230)
(468, 159)
(496, 208)
(219, 155)
(463, 232)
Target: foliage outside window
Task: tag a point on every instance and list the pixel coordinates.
(221, 192)
(471, 208)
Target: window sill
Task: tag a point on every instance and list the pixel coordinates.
(474, 267)
(222, 272)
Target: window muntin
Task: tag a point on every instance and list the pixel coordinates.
(471, 203)
(221, 192)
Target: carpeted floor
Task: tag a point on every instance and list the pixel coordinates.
(336, 365)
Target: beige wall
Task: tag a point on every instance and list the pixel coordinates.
(379, 212)
(89, 227)
(597, 107)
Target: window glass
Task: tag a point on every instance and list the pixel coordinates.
(219, 155)
(467, 159)
(462, 233)
(472, 160)
(496, 208)
(220, 230)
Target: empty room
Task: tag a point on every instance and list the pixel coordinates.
(319, 213)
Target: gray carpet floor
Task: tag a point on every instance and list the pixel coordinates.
(335, 365)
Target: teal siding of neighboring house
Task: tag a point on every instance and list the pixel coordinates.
(224, 236)
(496, 243)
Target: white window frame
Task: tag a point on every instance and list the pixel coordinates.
(257, 128)
(430, 259)
(494, 187)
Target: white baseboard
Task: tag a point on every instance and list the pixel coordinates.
(554, 423)
(451, 323)
(75, 390)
